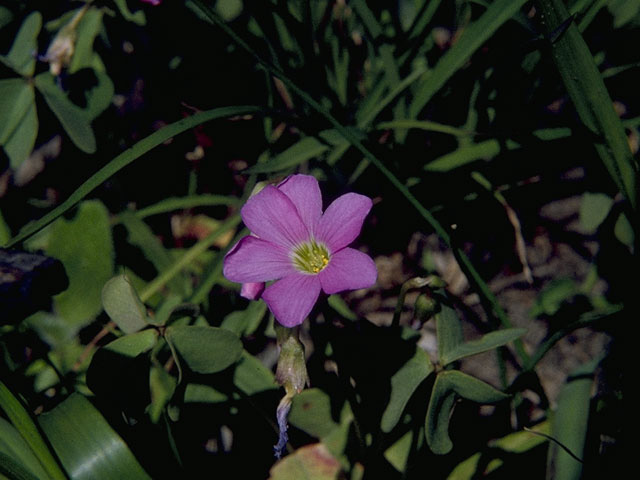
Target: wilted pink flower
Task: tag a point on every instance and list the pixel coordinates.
(302, 248)
(155, 3)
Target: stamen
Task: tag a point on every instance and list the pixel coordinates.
(310, 257)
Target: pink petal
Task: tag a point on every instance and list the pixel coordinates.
(292, 298)
(342, 221)
(272, 216)
(256, 260)
(304, 192)
(252, 290)
(348, 269)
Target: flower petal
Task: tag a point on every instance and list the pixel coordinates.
(342, 221)
(256, 260)
(304, 192)
(272, 216)
(292, 298)
(349, 269)
(252, 290)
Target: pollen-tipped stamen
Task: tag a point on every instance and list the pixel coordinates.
(311, 257)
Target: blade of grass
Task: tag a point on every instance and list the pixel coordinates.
(181, 203)
(21, 419)
(590, 96)
(494, 310)
(426, 125)
(472, 38)
(125, 158)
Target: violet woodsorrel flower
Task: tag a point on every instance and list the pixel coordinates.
(302, 248)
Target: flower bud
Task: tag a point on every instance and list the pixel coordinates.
(291, 372)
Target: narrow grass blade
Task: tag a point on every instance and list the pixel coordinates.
(472, 38)
(125, 158)
(589, 94)
(21, 419)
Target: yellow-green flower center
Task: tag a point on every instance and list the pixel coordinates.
(310, 257)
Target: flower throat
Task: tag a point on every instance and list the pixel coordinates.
(311, 257)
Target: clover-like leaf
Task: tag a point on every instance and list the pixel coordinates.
(205, 349)
(122, 304)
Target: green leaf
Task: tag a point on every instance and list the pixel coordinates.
(205, 349)
(75, 120)
(311, 413)
(86, 33)
(589, 94)
(134, 344)
(22, 56)
(5, 16)
(486, 342)
(624, 231)
(245, 322)
(14, 446)
(450, 384)
(20, 144)
(398, 453)
(138, 17)
(553, 295)
(449, 332)
(100, 96)
(123, 305)
(301, 151)
(311, 462)
(471, 388)
(180, 203)
(403, 383)
(162, 386)
(127, 157)
(23, 423)
(197, 393)
(593, 210)
(16, 97)
(86, 444)
(437, 419)
(251, 376)
(12, 469)
(85, 248)
(472, 38)
(570, 422)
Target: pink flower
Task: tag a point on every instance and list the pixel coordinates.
(302, 248)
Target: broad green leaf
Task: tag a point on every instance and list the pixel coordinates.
(25, 426)
(403, 383)
(553, 295)
(162, 386)
(589, 94)
(340, 306)
(16, 98)
(398, 453)
(450, 384)
(205, 349)
(465, 155)
(593, 210)
(196, 393)
(624, 11)
(486, 342)
(245, 322)
(138, 17)
(229, 9)
(472, 38)
(570, 422)
(75, 120)
(471, 388)
(514, 443)
(22, 56)
(142, 237)
(86, 444)
(624, 231)
(311, 462)
(311, 413)
(449, 332)
(100, 96)
(84, 246)
(86, 32)
(5, 231)
(303, 150)
(20, 144)
(123, 305)
(437, 419)
(251, 376)
(134, 344)
(14, 446)
(124, 159)
(5, 16)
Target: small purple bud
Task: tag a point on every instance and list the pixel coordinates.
(282, 413)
